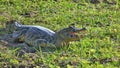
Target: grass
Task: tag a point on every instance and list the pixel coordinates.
(99, 49)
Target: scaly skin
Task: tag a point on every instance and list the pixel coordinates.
(44, 37)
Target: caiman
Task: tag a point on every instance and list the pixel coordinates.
(44, 37)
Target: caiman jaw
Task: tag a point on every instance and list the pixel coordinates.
(80, 32)
(74, 33)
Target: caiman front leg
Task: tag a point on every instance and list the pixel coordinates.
(43, 43)
(40, 43)
(18, 36)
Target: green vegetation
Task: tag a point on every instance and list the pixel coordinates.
(99, 49)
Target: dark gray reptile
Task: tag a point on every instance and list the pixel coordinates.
(44, 37)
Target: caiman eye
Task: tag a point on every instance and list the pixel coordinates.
(71, 35)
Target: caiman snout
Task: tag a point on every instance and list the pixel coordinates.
(82, 32)
(77, 33)
(81, 29)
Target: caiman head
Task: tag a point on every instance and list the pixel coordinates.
(71, 33)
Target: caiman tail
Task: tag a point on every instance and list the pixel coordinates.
(13, 25)
(19, 26)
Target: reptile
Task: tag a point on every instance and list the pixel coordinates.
(43, 37)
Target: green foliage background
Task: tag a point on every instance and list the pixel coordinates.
(100, 49)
